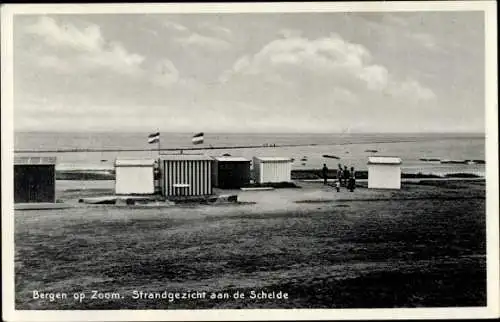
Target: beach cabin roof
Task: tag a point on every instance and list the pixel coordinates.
(185, 157)
(31, 160)
(274, 159)
(384, 160)
(231, 159)
(134, 162)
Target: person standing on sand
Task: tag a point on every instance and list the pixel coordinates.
(339, 175)
(352, 180)
(325, 173)
(346, 175)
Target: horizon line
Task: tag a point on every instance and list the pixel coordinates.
(243, 132)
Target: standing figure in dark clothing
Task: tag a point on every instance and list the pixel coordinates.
(352, 180)
(325, 173)
(346, 175)
(339, 175)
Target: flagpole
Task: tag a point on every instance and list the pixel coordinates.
(159, 139)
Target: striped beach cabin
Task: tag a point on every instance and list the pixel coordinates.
(186, 175)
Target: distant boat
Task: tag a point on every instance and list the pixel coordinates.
(104, 160)
(330, 156)
(303, 163)
(226, 155)
(373, 151)
(454, 161)
(303, 158)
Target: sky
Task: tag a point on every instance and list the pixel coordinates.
(250, 72)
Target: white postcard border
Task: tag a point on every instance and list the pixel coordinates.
(492, 309)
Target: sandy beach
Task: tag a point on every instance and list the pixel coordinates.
(423, 245)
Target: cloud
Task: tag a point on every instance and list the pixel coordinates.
(411, 89)
(325, 63)
(290, 33)
(165, 74)
(239, 67)
(285, 73)
(89, 39)
(64, 49)
(174, 26)
(425, 40)
(216, 30)
(400, 31)
(73, 49)
(203, 42)
(54, 63)
(65, 70)
(213, 38)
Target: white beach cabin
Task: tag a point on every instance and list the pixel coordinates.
(384, 172)
(272, 169)
(134, 176)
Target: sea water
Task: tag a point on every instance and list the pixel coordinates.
(350, 148)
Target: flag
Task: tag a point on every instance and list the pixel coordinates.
(198, 138)
(154, 138)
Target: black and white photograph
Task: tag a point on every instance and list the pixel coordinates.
(231, 161)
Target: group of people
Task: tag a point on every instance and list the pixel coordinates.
(345, 177)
